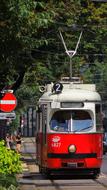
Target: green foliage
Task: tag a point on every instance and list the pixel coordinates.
(30, 42)
(9, 161)
(19, 21)
(15, 123)
(8, 182)
(9, 165)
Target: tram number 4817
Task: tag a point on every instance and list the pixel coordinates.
(56, 144)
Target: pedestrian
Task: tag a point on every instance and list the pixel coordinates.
(18, 143)
(8, 141)
(13, 142)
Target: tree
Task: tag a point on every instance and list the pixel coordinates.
(31, 49)
(23, 26)
(94, 15)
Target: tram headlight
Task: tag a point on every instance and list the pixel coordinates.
(72, 148)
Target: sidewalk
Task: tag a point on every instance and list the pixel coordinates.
(28, 147)
(29, 167)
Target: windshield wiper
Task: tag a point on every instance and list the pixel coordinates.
(82, 129)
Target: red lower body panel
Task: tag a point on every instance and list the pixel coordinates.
(88, 152)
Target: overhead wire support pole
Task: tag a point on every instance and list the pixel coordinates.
(70, 53)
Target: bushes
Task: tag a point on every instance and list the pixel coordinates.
(9, 160)
(10, 164)
(8, 182)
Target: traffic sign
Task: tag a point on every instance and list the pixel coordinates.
(8, 102)
(7, 116)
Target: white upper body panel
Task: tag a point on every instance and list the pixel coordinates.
(72, 93)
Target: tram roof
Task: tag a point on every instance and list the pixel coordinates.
(74, 93)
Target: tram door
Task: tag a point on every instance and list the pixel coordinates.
(41, 135)
(38, 139)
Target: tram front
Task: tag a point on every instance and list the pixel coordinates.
(74, 131)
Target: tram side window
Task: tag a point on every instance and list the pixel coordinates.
(38, 119)
(98, 117)
(44, 123)
(37, 122)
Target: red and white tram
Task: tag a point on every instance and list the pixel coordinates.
(69, 129)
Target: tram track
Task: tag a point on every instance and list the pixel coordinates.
(101, 181)
(98, 182)
(39, 181)
(32, 179)
(59, 186)
(80, 182)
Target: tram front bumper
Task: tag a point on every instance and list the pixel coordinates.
(73, 160)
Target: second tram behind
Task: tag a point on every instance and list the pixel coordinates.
(69, 131)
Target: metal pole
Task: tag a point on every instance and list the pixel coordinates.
(70, 69)
(27, 123)
(32, 121)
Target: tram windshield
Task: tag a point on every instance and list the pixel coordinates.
(71, 121)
